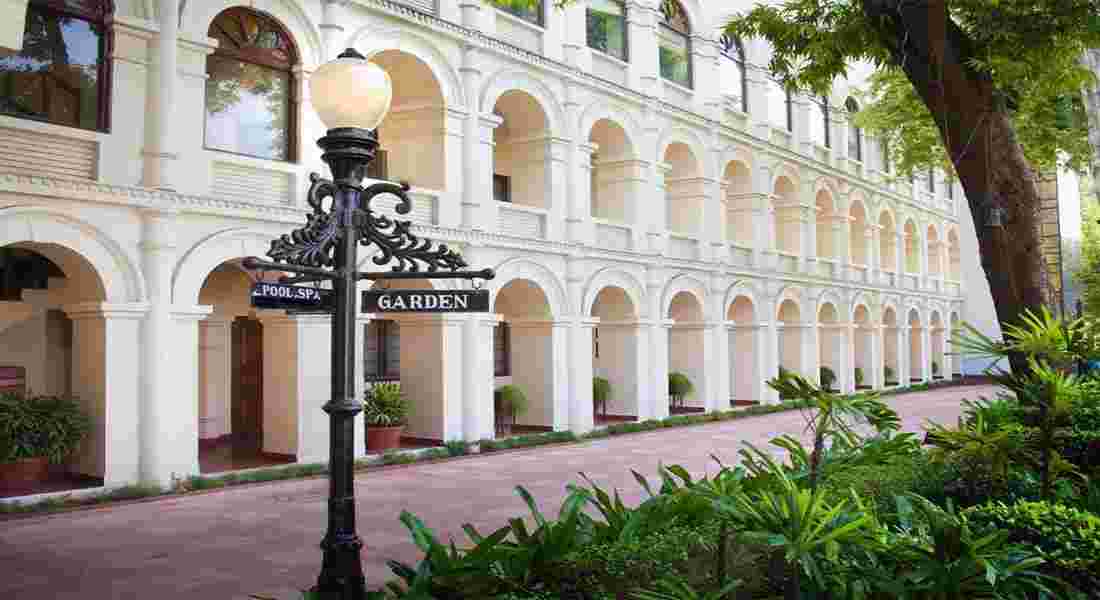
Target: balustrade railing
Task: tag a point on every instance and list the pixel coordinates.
(521, 221)
(786, 263)
(680, 246)
(615, 236)
(740, 256)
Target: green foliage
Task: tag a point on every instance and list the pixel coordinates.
(1068, 538)
(386, 405)
(457, 448)
(675, 588)
(38, 426)
(679, 385)
(513, 399)
(601, 390)
(935, 368)
(888, 374)
(827, 377)
(858, 374)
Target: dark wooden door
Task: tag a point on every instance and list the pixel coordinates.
(248, 398)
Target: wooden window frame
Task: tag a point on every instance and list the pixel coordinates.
(507, 183)
(666, 24)
(626, 32)
(262, 59)
(382, 332)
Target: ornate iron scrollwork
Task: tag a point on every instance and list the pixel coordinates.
(394, 239)
(313, 245)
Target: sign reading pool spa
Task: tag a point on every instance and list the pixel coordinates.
(425, 301)
(281, 295)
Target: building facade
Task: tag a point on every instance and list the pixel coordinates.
(651, 200)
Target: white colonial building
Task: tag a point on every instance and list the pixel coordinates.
(651, 200)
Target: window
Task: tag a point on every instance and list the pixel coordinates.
(855, 142)
(250, 86)
(607, 27)
(62, 74)
(734, 69)
(674, 43)
(931, 180)
(502, 350)
(382, 352)
(502, 188)
(528, 10)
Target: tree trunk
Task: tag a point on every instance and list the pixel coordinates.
(976, 128)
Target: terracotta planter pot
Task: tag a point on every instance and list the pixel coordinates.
(24, 471)
(383, 438)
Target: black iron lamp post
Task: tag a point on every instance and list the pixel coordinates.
(352, 96)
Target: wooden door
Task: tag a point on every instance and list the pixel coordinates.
(247, 400)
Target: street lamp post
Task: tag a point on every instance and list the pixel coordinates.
(352, 96)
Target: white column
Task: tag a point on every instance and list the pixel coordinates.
(658, 361)
(926, 353)
(899, 256)
(659, 215)
(905, 351)
(106, 346)
(642, 39)
(477, 358)
(297, 372)
(483, 165)
(801, 108)
(769, 343)
(717, 367)
(714, 241)
(874, 370)
(581, 419)
(557, 189)
(449, 208)
(470, 11)
(476, 185)
(846, 375)
(559, 349)
(333, 15)
(159, 152)
(580, 206)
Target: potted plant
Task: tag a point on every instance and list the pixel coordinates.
(36, 431)
(828, 378)
(386, 412)
(679, 387)
(511, 402)
(601, 393)
(889, 375)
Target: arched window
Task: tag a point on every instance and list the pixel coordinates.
(674, 43)
(855, 141)
(607, 27)
(734, 74)
(250, 103)
(62, 73)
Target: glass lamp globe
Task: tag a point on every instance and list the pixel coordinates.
(351, 91)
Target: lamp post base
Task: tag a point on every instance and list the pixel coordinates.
(341, 575)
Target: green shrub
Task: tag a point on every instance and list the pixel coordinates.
(679, 385)
(1067, 537)
(888, 374)
(38, 426)
(827, 377)
(858, 374)
(457, 448)
(601, 393)
(385, 405)
(513, 400)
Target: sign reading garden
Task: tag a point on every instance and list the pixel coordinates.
(425, 301)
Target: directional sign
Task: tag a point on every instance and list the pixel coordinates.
(425, 301)
(290, 297)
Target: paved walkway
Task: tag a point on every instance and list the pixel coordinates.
(263, 539)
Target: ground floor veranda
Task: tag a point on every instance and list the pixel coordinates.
(207, 383)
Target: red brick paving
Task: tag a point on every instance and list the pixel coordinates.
(263, 539)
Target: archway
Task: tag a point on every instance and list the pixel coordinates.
(954, 255)
(788, 219)
(686, 350)
(789, 328)
(827, 218)
(916, 347)
(524, 353)
(739, 225)
(830, 344)
(685, 192)
(888, 233)
(863, 372)
(912, 248)
(49, 347)
(245, 419)
(935, 253)
(521, 151)
(744, 374)
(616, 174)
(891, 348)
(939, 366)
(616, 354)
(412, 139)
(858, 245)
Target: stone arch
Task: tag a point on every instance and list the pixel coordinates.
(600, 110)
(680, 135)
(828, 296)
(371, 42)
(785, 171)
(196, 17)
(522, 268)
(828, 184)
(614, 277)
(208, 253)
(507, 79)
(740, 154)
(120, 277)
(744, 289)
(683, 283)
(860, 299)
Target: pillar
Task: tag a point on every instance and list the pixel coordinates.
(557, 174)
(659, 216)
(449, 209)
(580, 213)
(717, 357)
(106, 346)
(477, 367)
(333, 15)
(432, 377)
(476, 186)
(768, 343)
(642, 39)
(160, 152)
(581, 419)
